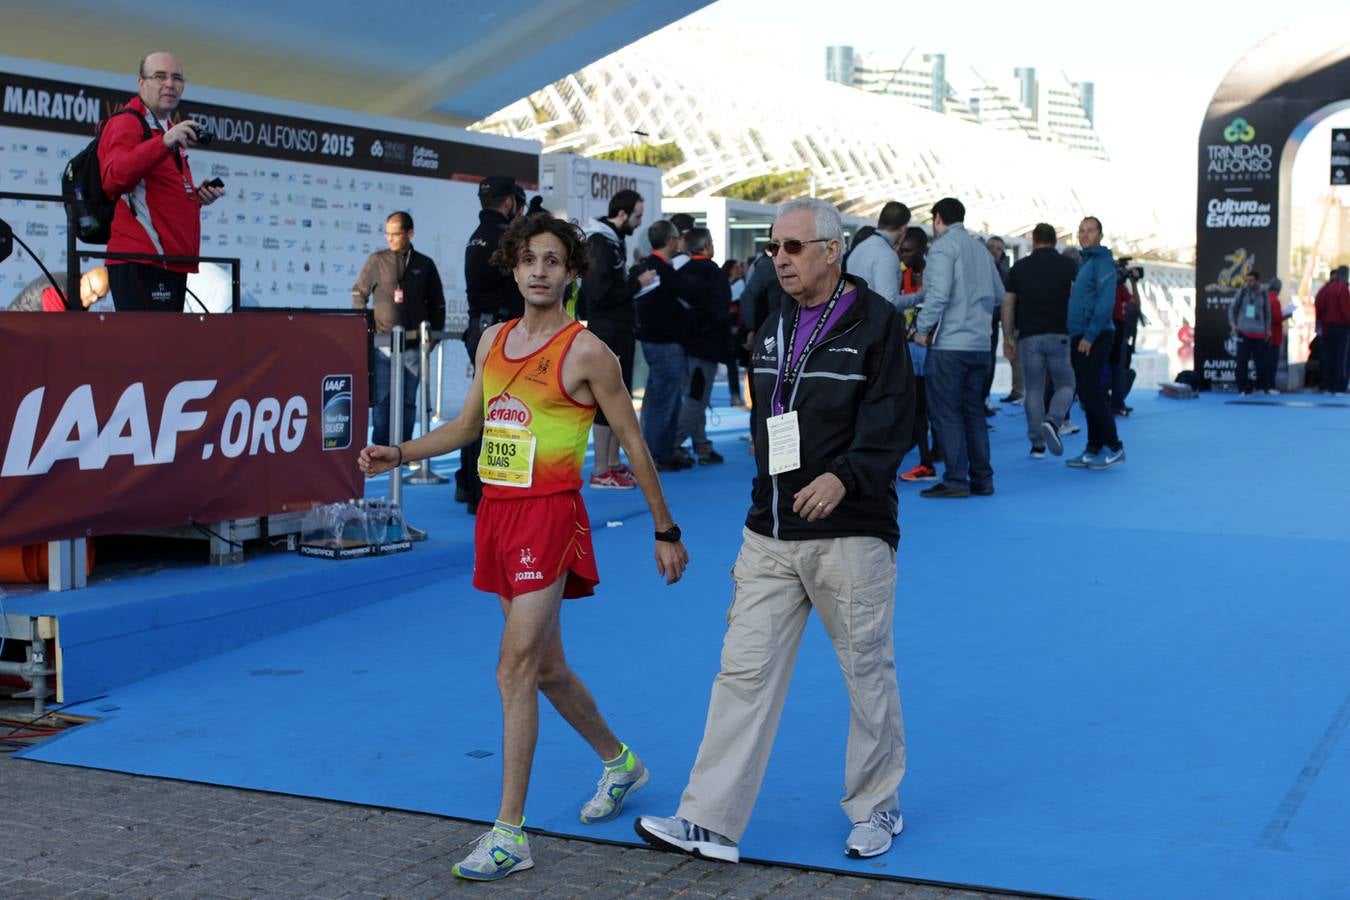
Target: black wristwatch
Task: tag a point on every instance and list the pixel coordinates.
(671, 535)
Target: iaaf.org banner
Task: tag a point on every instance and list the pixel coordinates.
(49, 105)
(126, 421)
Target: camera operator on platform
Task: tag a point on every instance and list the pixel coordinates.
(143, 162)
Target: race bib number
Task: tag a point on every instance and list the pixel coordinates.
(507, 458)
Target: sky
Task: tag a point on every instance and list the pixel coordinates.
(1155, 63)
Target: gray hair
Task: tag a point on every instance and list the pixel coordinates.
(828, 223)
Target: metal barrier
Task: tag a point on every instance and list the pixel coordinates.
(424, 473)
(396, 347)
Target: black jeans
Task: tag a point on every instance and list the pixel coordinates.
(1335, 341)
(466, 477)
(1256, 350)
(137, 287)
(1122, 354)
(1089, 370)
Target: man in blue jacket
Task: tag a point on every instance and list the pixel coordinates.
(961, 288)
(1090, 335)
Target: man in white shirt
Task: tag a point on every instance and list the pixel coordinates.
(874, 258)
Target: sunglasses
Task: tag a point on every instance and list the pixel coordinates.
(792, 246)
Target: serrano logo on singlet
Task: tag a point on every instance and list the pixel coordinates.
(505, 409)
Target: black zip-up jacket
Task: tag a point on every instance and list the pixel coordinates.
(423, 296)
(489, 290)
(607, 291)
(705, 286)
(662, 316)
(855, 409)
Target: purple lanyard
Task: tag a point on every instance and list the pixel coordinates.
(786, 380)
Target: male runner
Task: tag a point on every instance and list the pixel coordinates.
(537, 382)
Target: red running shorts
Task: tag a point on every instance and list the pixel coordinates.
(525, 545)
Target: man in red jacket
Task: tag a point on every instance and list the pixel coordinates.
(1333, 324)
(159, 207)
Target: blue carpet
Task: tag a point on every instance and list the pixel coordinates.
(1128, 683)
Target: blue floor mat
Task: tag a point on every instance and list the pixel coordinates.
(1128, 683)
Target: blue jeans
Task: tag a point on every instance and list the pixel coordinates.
(379, 404)
(955, 380)
(661, 401)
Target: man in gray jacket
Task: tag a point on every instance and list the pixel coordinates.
(961, 286)
(874, 259)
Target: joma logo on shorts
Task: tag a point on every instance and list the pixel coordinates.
(529, 576)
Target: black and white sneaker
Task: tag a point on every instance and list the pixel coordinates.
(682, 835)
(1051, 435)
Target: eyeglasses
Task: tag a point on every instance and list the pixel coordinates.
(161, 77)
(792, 245)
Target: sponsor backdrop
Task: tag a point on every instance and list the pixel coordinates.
(308, 188)
(1243, 142)
(112, 423)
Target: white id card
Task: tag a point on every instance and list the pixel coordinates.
(785, 443)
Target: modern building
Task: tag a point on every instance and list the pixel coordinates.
(1024, 100)
(696, 101)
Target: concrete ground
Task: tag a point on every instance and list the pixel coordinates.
(72, 832)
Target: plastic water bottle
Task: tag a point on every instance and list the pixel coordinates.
(394, 532)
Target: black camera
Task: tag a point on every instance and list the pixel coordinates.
(204, 133)
(1127, 272)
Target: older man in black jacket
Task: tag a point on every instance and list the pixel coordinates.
(834, 404)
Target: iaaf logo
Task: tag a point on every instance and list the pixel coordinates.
(77, 433)
(508, 410)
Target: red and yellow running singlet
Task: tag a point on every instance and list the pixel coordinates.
(534, 433)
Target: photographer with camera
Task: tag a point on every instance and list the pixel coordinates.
(143, 162)
(1125, 315)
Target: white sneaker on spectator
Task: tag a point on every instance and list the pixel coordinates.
(873, 837)
(685, 836)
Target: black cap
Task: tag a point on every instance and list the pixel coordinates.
(497, 186)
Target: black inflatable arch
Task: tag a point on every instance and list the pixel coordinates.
(1251, 134)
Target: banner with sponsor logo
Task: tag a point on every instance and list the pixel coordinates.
(1238, 230)
(307, 188)
(1340, 156)
(1260, 114)
(119, 422)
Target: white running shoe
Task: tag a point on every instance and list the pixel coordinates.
(873, 837)
(685, 836)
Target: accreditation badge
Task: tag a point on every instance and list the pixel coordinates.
(785, 443)
(507, 458)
